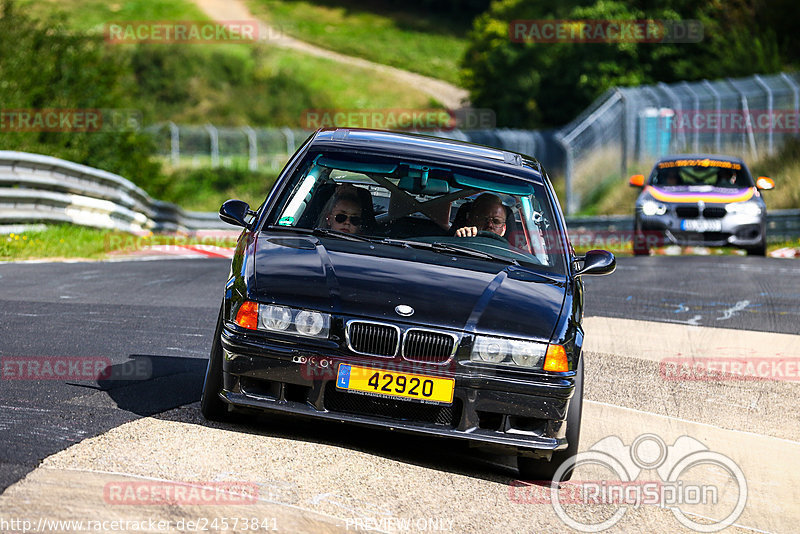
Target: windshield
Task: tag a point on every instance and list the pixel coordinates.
(447, 209)
(704, 172)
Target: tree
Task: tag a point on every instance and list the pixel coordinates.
(540, 84)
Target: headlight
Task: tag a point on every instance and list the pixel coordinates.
(744, 208)
(292, 321)
(311, 323)
(275, 317)
(650, 207)
(489, 349)
(513, 352)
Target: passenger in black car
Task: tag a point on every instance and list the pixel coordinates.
(487, 214)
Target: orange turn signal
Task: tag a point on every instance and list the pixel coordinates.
(765, 183)
(556, 359)
(637, 180)
(247, 316)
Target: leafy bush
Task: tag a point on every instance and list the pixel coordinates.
(42, 66)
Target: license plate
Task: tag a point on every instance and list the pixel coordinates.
(701, 225)
(429, 389)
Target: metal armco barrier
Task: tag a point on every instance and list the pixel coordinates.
(782, 225)
(37, 188)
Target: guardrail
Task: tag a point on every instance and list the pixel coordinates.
(37, 188)
(782, 225)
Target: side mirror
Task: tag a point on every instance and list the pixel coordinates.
(235, 212)
(765, 183)
(637, 180)
(598, 262)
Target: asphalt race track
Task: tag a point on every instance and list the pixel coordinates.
(151, 322)
(722, 292)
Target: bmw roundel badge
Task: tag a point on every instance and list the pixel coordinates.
(403, 310)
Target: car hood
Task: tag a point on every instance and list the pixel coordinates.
(369, 280)
(701, 193)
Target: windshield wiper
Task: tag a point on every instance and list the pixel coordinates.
(327, 232)
(466, 251)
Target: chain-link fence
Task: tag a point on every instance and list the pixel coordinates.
(748, 117)
(269, 148)
(212, 146)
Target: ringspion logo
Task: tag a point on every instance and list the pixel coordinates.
(691, 481)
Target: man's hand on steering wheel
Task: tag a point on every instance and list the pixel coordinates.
(467, 231)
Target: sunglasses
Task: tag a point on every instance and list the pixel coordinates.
(491, 221)
(355, 220)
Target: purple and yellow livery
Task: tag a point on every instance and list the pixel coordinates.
(709, 197)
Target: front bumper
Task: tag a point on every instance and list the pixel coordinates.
(733, 230)
(488, 410)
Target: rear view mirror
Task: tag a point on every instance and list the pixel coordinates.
(765, 183)
(235, 212)
(598, 262)
(637, 180)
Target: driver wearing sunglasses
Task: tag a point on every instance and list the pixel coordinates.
(345, 214)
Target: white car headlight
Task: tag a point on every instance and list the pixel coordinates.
(744, 208)
(283, 319)
(311, 323)
(650, 207)
(489, 349)
(497, 350)
(275, 317)
(528, 354)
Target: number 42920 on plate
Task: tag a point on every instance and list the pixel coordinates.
(428, 389)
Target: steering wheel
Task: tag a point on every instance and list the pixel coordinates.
(487, 233)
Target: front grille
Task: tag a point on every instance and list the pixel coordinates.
(687, 212)
(714, 212)
(427, 347)
(353, 403)
(373, 338)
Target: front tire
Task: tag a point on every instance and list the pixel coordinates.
(533, 469)
(211, 405)
(640, 245)
(758, 250)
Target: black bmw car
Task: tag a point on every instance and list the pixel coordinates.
(410, 283)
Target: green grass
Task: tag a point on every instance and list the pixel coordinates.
(206, 189)
(93, 15)
(61, 241)
(382, 32)
(80, 242)
(225, 84)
